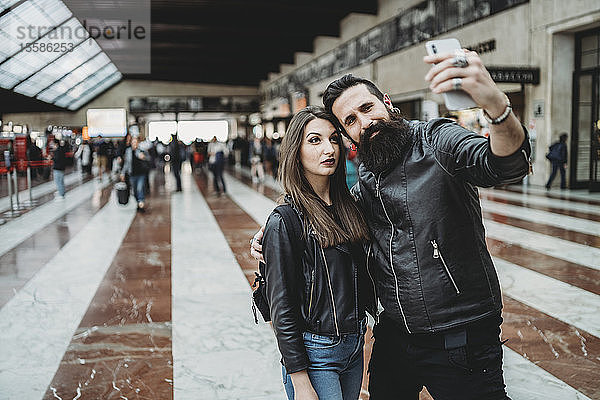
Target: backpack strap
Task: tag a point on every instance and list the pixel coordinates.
(294, 226)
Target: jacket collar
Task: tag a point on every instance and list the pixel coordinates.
(289, 201)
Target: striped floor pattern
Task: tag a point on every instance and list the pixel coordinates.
(100, 302)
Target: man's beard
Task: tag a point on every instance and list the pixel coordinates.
(387, 147)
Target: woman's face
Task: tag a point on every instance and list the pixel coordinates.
(320, 149)
(134, 143)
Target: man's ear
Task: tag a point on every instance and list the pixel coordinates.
(387, 101)
(389, 105)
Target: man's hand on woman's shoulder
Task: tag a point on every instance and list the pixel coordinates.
(256, 245)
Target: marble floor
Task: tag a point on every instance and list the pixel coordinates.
(100, 302)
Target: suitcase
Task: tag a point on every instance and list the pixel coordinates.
(122, 193)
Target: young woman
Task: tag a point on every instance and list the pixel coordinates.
(318, 301)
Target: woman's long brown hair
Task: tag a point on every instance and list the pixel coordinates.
(352, 226)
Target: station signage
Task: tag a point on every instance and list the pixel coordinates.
(515, 75)
(423, 21)
(245, 104)
(483, 47)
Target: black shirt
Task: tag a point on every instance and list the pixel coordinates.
(340, 255)
(60, 159)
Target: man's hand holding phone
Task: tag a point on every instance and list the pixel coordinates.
(456, 69)
(462, 78)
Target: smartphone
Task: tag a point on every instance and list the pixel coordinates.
(454, 99)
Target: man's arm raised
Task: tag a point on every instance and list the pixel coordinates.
(505, 137)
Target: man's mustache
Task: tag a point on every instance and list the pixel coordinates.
(371, 130)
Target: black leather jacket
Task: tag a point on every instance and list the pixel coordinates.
(326, 292)
(432, 267)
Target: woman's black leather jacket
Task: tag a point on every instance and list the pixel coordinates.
(326, 292)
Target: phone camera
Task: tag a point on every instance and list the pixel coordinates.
(434, 49)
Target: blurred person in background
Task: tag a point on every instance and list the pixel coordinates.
(59, 162)
(34, 153)
(276, 146)
(197, 156)
(122, 148)
(269, 157)
(217, 153)
(102, 149)
(111, 156)
(237, 151)
(136, 167)
(257, 169)
(148, 147)
(351, 167)
(161, 152)
(84, 154)
(177, 154)
(557, 155)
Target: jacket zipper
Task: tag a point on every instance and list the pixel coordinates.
(374, 288)
(356, 300)
(391, 258)
(528, 161)
(312, 288)
(337, 330)
(438, 254)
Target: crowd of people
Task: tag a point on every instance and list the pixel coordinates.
(130, 159)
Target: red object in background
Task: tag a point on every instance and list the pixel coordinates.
(49, 139)
(352, 153)
(4, 145)
(198, 158)
(20, 150)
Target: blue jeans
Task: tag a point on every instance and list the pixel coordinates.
(557, 166)
(217, 170)
(336, 365)
(59, 180)
(138, 185)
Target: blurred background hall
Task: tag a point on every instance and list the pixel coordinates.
(132, 279)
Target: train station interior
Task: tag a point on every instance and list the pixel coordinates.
(117, 284)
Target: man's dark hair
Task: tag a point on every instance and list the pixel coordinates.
(339, 86)
(563, 137)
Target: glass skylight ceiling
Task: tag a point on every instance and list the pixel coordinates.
(4, 4)
(61, 66)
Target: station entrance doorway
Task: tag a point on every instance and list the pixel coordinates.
(585, 140)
